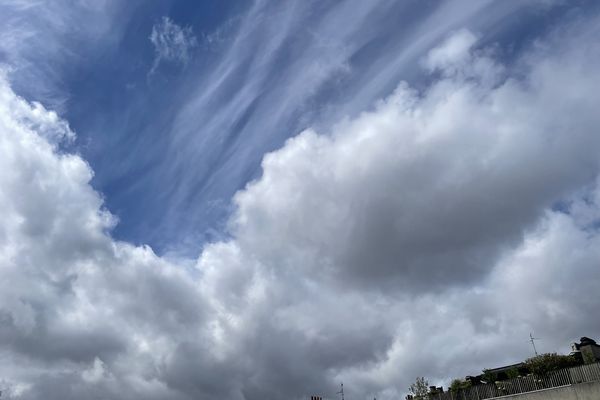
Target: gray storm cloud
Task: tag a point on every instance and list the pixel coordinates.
(429, 222)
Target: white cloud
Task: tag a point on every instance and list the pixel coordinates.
(453, 53)
(415, 239)
(410, 212)
(428, 188)
(70, 295)
(34, 116)
(172, 43)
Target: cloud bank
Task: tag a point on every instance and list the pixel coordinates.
(415, 239)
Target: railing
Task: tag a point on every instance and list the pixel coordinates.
(530, 383)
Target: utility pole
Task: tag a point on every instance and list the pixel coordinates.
(342, 390)
(532, 340)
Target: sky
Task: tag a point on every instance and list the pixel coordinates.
(263, 199)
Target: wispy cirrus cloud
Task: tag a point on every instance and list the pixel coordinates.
(172, 43)
(40, 41)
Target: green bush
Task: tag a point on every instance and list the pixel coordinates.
(544, 363)
(489, 377)
(512, 373)
(458, 384)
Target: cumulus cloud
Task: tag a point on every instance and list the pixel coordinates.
(415, 239)
(172, 43)
(409, 213)
(72, 299)
(428, 188)
(34, 116)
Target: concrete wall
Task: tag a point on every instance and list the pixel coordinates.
(580, 391)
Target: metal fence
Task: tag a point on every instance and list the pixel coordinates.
(530, 383)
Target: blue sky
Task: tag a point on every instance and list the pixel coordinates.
(262, 199)
(170, 149)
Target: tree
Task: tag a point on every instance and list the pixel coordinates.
(419, 389)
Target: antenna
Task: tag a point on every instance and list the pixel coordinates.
(342, 390)
(532, 340)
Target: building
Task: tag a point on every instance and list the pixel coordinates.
(586, 350)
